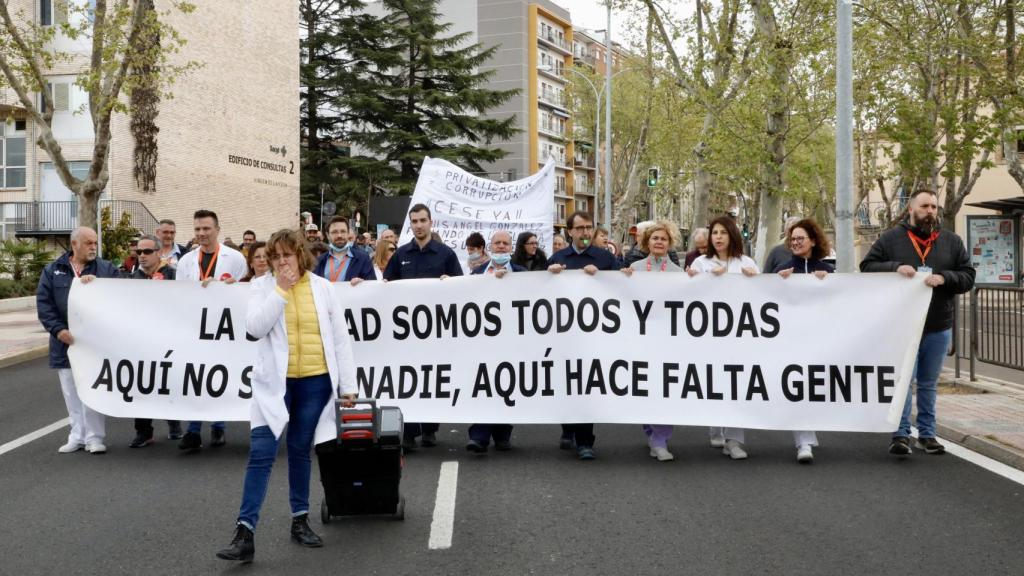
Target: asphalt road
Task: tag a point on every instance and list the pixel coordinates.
(534, 510)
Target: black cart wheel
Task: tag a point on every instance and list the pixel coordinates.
(400, 509)
(325, 515)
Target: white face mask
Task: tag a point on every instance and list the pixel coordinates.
(474, 256)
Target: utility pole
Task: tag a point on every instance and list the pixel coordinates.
(844, 137)
(608, 122)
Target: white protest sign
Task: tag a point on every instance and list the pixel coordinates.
(762, 352)
(461, 203)
(169, 350)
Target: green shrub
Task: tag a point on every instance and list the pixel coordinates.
(23, 260)
(17, 288)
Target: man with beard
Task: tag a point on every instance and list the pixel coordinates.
(917, 244)
(343, 262)
(88, 427)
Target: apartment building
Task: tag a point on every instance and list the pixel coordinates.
(228, 139)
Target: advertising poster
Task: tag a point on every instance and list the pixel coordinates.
(994, 245)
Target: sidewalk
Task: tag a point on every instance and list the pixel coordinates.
(986, 416)
(22, 338)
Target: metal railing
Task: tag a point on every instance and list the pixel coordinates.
(58, 218)
(989, 328)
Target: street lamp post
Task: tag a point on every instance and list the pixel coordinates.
(608, 121)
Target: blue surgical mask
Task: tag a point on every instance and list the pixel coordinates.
(474, 256)
(501, 259)
(335, 249)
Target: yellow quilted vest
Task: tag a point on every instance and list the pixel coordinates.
(305, 347)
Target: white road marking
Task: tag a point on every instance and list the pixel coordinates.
(34, 436)
(993, 466)
(444, 507)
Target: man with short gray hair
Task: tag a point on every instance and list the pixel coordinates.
(699, 241)
(88, 427)
(780, 254)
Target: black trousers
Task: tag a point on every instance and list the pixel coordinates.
(483, 433)
(582, 434)
(145, 425)
(414, 429)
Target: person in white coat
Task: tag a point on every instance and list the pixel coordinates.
(212, 262)
(725, 256)
(304, 355)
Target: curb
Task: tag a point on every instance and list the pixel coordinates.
(992, 449)
(25, 356)
(22, 304)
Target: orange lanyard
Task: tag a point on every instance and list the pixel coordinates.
(927, 243)
(209, 267)
(78, 273)
(337, 272)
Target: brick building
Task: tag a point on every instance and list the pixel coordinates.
(228, 140)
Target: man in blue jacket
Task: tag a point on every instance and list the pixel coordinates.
(343, 262)
(88, 427)
(581, 254)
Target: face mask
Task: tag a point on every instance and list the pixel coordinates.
(474, 256)
(336, 249)
(501, 259)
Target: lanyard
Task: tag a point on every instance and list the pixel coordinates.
(203, 275)
(927, 243)
(664, 264)
(78, 273)
(337, 272)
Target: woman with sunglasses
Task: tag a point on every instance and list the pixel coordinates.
(809, 245)
(382, 255)
(304, 355)
(724, 255)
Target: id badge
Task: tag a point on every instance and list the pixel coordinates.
(925, 269)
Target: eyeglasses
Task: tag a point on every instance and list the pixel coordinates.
(146, 251)
(798, 239)
(583, 228)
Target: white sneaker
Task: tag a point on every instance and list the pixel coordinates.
(96, 448)
(734, 450)
(70, 447)
(804, 455)
(662, 454)
(717, 441)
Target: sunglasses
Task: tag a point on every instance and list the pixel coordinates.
(146, 251)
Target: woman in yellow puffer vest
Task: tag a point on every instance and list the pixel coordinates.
(304, 354)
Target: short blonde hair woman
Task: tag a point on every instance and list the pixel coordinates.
(305, 354)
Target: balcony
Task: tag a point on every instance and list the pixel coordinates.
(585, 161)
(551, 131)
(43, 219)
(554, 73)
(553, 99)
(553, 41)
(559, 160)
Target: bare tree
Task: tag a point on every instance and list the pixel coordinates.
(121, 57)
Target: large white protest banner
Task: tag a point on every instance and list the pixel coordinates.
(762, 352)
(136, 356)
(462, 203)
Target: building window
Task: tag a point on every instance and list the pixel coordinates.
(560, 212)
(582, 205)
(12, 156)
(560, 185)
(54, 12)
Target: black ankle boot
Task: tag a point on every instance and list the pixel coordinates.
(303, 534)
(242, 547)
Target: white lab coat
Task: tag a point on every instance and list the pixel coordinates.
(266, 320)
(229, 261)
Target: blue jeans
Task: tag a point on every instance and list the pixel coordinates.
(305, 399)
(930, 355)
(197, 427)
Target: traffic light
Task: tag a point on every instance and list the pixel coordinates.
(652, 177)
(746, 232)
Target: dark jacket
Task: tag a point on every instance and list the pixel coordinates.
(483, 268)
(167, 271)
(804, 266)
(52, 299)
(534, 264)
(432, 261)
(777, 256)
(599, 257)
(948, 257)
(359, 266)
(635, 254)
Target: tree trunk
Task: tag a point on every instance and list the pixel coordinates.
(770, 214)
